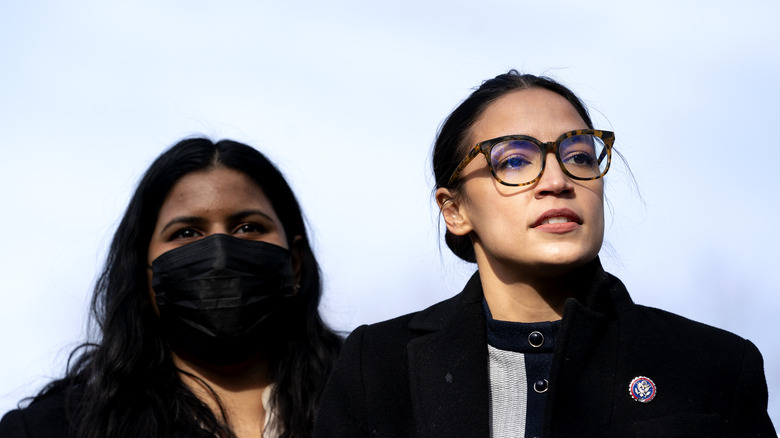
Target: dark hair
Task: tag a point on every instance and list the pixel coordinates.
(452, 141)
(127, 384)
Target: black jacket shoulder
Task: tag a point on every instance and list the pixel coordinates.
(45, 417)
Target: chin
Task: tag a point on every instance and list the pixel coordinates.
(561, 261)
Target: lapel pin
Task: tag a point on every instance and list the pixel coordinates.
(642, 389)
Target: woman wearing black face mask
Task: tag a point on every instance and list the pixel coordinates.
(207, 310)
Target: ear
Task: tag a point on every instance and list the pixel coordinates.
(453, 212)
(296, 249)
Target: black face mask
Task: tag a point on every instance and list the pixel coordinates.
(218, 296)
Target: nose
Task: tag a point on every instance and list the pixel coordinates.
(553, 181)
(217, 229)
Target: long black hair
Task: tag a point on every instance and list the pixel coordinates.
(451, 143)
(125, 384)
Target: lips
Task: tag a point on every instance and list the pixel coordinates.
(559, 220)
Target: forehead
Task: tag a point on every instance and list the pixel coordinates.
(537, 112)
(212, 191)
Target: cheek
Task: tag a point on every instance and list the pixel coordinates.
(595, 209)
(280, 240)
(487, 201)
(592, 196)
(157, 248)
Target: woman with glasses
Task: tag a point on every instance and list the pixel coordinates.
(541, 341)
(207, 311)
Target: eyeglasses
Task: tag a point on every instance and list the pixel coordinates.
(518, 160)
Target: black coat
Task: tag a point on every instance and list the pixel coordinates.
(53, 414)
(426, 374)
(44, 418)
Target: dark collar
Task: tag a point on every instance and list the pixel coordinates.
(448, 358)
(602, 295)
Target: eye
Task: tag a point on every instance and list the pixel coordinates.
(184, 233)
(250, 228)
(580, 159)
(512, 162)
(579, 150)
(514, 155)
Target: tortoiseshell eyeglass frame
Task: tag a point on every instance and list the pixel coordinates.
(485, 147)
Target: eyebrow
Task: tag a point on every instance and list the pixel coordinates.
(199, 220)
(244, 213)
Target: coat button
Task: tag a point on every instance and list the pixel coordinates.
(540, 386)
(536, 339)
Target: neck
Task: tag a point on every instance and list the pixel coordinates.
(520, 296)
(238, 389)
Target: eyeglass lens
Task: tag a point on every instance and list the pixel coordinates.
(520, 161)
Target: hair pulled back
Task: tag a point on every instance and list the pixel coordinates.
(454, 136)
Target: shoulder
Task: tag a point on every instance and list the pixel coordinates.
(691, 351)
(650, 327)
(368, 392)
(667, 327)
(654, 334)
(44, 417)
(697, 367)
(400, 330)
(385, 342)
(435, 317)
(378, 339)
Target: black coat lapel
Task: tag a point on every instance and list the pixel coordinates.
(586, 354)
(448, 362)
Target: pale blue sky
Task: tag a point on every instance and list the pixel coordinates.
(346, 98)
